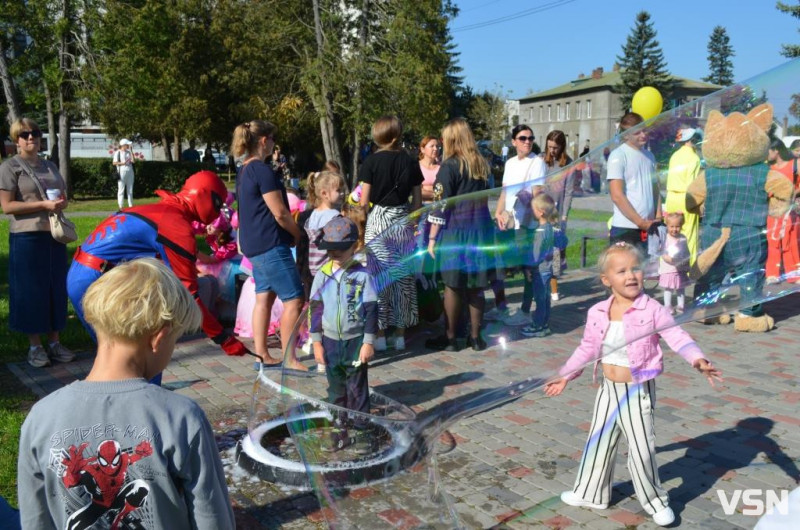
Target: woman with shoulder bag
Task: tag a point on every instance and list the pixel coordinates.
(37, 263)
(523, 173)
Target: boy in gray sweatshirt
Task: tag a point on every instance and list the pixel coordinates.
(343, 319)
(114, 448)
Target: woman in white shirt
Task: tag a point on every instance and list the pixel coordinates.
(524, 172)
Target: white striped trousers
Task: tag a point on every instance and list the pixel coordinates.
(625, 408)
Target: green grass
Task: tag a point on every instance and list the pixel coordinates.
(101, 205)
(15, 399)
(588, 215)
(593, 248)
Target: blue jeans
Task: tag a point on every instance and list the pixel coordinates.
(275, 270)
(527, 293)
(540, 282)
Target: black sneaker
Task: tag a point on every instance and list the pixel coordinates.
(442, 343)
(477, 343)
(339, 440)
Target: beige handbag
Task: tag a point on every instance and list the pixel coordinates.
(62, 229)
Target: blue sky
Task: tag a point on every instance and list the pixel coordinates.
(546, 49)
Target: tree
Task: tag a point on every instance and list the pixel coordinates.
(794, 108)
(642, 63)
(488, 117)
(790, 50)
(720, 52)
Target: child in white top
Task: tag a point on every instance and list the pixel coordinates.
(674, 262)
(622, 334)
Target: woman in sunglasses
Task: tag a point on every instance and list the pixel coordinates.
(37, 263)
(523, 173)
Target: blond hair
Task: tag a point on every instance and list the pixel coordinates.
(137, 299)
(357, 214)
(458, 142)
(387, 132)
(616, 248)
(327, 180)
(22, 124)
(674, 215)
(246, 136)
(547, 205)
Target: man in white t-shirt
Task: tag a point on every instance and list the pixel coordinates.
(526, 171)
(504, 152)
(633, 186)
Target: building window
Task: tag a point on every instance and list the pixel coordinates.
(530, 114)
(541, 113)
(588, 108)
(566, 106)
(577, 110)
(559, 116)
(549, 113)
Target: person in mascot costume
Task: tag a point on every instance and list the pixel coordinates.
(162, 230)
(737, 191)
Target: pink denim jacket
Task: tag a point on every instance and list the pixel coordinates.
(644, 322)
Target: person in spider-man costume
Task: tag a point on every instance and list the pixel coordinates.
(103, 477)
(162, 230)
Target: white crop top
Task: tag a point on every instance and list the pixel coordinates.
(614, 349)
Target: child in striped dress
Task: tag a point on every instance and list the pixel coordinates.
(622, 334)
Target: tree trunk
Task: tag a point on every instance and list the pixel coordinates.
(52, 132)
(323, 103)
(65, 94)
(167, 150)
(356, 152)
(64, 144)
(9, 89)
(177, 145)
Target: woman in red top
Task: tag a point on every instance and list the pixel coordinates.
(782, 232)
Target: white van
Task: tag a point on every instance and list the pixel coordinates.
(788, 140)
(96, 145)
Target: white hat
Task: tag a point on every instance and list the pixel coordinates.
(125, 141)
(684, 135)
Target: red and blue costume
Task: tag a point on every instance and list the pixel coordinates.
(162, 230)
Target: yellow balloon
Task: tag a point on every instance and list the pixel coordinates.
(647, 102)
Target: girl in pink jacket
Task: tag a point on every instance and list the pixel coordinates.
(622, 334)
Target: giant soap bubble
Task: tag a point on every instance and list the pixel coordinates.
(386, 467)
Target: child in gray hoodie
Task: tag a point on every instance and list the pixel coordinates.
(343, 319)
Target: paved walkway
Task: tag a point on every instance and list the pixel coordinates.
(505, 467)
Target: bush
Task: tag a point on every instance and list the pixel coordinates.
(97, 177)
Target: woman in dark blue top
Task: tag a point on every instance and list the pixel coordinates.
(462, 232)
(267, 232)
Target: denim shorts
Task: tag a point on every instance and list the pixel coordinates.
(276, 271)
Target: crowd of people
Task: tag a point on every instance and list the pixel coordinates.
(354, 258)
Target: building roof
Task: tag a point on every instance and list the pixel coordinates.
(608, 80)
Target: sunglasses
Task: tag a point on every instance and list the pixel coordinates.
(27, 134)
(525, 138)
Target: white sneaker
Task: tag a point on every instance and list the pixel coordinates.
(320, 368)
(306, 347)
(518, 318)
(555, 297)
(379, 344)
(664, 517)
(37, 357)
(571, 498)
(495, 314)
(399, 343)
